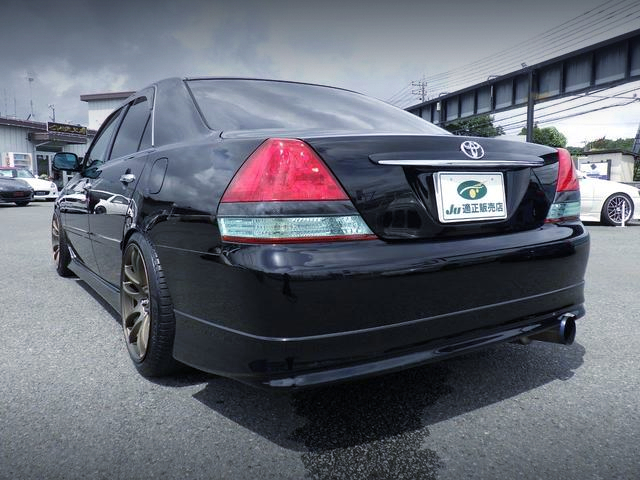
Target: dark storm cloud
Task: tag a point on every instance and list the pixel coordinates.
(74, 47)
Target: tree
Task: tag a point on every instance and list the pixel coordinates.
(576, 151)
(606, 144)
(478, 126)
(550, 136)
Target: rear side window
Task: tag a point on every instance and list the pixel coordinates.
(98, 154)
(261, 104)
(130, 133)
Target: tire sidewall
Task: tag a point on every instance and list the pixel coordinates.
(605, 216)
(64, 258)
(158, 359)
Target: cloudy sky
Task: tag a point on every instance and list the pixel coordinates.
(70, 47)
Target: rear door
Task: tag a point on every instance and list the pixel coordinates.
(110, 196)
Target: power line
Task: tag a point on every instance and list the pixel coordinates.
(422, 89)
(567, 100)
(567, 35)
(554, 118)
(491, 63)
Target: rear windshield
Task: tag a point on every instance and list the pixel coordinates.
(261, 104)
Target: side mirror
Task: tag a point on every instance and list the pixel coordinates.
(66, 161)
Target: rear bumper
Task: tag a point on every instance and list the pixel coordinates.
(300, 315)
(305, 362)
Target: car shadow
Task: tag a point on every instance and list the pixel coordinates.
(364, 428)
(103, 303)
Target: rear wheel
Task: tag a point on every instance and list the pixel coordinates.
(60, 249)
(147, 311)
(613, 207)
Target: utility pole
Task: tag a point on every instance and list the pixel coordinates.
(30, 79)
(422, 89)
(531, 105)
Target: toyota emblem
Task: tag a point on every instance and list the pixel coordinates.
(472, 149)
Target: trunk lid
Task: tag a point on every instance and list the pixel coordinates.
(426, 187)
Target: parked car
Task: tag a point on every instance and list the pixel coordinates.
(15, 191)
(605, 201)
(287, 234)
(43, 189)
(115, 204)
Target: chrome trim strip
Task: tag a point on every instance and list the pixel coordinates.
(462, 163)
(153, 116)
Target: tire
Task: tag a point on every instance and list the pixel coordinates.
(148, 320)
(60, 248)
(612, 209)
(22, 204)
(100, 210)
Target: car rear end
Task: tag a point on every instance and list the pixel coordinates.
(347, 255)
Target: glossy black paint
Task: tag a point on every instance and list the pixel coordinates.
(285, 315)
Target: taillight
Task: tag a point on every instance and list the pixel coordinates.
(566, 205)
(284, 193)
(567, 178)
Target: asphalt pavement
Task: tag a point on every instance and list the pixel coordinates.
(72, 405)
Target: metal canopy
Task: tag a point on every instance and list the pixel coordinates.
(603, 65)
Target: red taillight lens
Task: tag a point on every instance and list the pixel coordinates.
(567, 178)
(566, 204)
(288, 170)
(283, 170)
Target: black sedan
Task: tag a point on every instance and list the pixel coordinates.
(16, 191)
(287, 234)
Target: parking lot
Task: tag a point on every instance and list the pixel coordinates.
(72, 405)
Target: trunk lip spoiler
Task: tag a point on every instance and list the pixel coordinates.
(456, 163)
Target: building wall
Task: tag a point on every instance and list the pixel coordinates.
(621, 164)
(14, 139)
(99, 110)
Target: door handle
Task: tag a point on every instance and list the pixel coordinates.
(127, 178)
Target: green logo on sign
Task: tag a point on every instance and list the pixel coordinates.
(472, 190)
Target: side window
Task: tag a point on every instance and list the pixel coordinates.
(98, 153)
(130, 133)
(146, 136)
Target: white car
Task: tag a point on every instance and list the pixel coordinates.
(605, 201)
(43, 189)
(114, 205)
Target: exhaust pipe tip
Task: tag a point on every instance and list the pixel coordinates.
(564, 332)
(567, 330)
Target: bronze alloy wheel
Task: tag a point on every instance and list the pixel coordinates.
(136, 313)
(59, 248)
(55, 239)
(148, 320)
